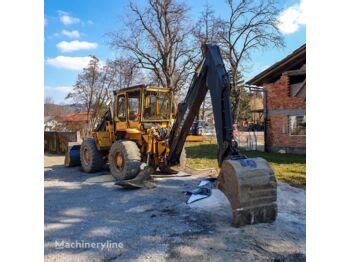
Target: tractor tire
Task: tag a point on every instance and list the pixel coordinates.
(124, 160)
(91, 159)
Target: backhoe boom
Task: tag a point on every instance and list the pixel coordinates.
(248, 183)
(210, 75)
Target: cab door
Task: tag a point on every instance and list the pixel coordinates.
(134, 109)
(121, 123)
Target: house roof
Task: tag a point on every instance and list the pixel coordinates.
(293, 61)
(76, 117)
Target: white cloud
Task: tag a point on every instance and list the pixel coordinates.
(71, 34)
(64, 89)
(90, 22)
(69, 62)
(67, 19)
(292, 18)
(59, 89)
(75, 45)
(58, 93)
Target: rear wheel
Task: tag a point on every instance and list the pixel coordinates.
(91, 159)
(124, 159)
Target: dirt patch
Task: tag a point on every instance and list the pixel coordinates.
(156, 224)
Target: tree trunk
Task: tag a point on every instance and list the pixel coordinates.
(235, 93)
(235, 110)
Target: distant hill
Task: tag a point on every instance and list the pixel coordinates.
(76, 107)
(58, 111)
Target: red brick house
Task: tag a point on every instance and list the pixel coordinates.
(285, 103)
(76, 121)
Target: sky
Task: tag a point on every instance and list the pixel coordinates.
(76, 29)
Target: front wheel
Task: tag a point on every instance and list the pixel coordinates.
(124, 159)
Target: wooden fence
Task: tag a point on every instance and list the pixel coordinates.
(246, 140)
(57, 142)
(251, 140)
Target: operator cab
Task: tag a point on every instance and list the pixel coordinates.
(142, 103)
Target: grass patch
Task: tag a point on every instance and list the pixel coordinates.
(289, 168)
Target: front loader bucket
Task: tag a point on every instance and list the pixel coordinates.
(72, 157)
(251, 187)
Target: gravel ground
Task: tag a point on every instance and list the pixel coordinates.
(156, 224)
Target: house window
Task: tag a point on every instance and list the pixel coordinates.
(297, 125)
(297, 84)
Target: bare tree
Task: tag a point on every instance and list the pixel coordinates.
(251, 25)
(94, 86)
(158, 37)
(127, 71)
(49, 100)
(116, 74)
(243, 107)
(206, 31)
(85, 88)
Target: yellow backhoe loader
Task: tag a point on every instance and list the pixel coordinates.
(142, 127)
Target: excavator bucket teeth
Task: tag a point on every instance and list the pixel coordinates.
(251, 188)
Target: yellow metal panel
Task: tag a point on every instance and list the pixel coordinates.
(149, 143)
(157, 89)
(133, 124)
(195, 138)
(121, 126)
(103, 139)
(161, 147)
(133, 134)
(133, 131)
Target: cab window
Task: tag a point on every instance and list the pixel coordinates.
(157, 106)
(121, 108)
(134, 106)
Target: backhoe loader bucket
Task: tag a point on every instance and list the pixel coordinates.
(72, 157)
(250, 186)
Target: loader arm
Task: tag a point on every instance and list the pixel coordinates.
(210, 75)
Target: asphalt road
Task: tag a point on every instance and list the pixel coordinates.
(99, 221)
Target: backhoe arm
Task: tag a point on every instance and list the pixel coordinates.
(210, 74)
(248, 183)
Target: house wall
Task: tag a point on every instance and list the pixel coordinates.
(279, 106)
